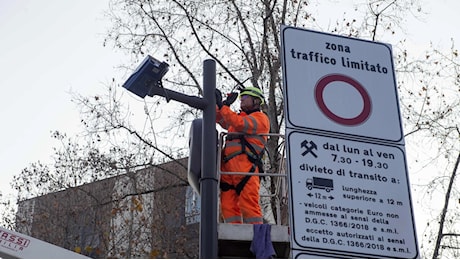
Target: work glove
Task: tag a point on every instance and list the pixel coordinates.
(219, 102)
(231, 97)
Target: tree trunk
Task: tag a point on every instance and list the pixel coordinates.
(444, 210)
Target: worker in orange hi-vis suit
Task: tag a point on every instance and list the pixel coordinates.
(242, 153)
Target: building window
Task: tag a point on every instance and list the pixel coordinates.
(192, 206)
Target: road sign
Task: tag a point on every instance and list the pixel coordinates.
(349, 188)
(341, 85)
(351, 198)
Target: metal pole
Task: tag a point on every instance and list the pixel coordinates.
(208, 181)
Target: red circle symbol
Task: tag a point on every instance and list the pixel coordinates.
(322, 84)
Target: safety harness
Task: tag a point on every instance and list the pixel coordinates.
(253, 156)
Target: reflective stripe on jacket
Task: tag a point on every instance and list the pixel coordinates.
(250, 125)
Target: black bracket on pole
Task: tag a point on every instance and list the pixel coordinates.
(146, 80)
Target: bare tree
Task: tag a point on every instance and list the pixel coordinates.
(430, 102)
(243, 38)
(442, 220)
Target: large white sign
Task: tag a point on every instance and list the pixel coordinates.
(340, 84)
(349, 189)
(349, 197)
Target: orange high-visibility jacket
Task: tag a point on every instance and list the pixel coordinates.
(246, 204)
(255, 123)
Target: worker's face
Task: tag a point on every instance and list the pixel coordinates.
(247, 102)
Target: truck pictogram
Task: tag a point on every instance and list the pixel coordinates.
(320, 183)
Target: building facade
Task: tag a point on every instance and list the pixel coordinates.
(151, 213)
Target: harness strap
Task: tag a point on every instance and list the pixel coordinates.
(232, 155)
(252, 156)
(225, 186)
(256, 162)
(239, 187)
(241, 184)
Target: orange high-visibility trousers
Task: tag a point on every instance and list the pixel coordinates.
(244, 208)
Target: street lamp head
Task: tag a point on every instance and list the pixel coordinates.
(147, 77)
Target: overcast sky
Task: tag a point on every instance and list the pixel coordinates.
(47, 48)
(52, 46)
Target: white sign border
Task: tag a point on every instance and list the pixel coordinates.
(340, 253)
(289, 122)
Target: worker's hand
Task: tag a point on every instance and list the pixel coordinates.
(231, 97)
(219, 98)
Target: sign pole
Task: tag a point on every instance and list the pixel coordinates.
(146, 80)
(208, 224)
